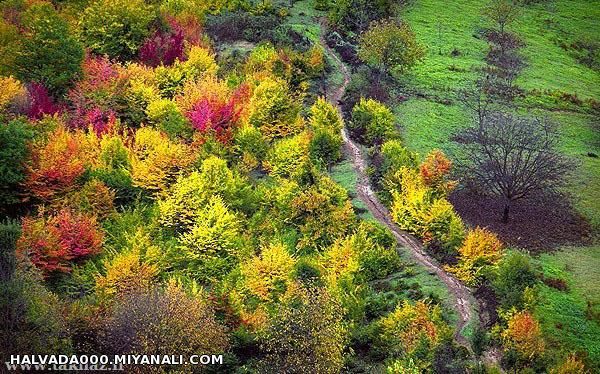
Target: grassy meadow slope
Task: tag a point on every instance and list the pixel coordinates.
(452, 34)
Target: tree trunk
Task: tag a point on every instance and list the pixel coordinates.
(506, 212)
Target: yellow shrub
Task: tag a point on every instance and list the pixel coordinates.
(416, 209)
(572, 365)
(12, 90)
(289, 158)
(156, 161)
(194, 90)
(274, 109)
(413, 327)
(341, 260)
(201, 62)
(481, 244)
(480, 248)
(269, 273)
(126, 272)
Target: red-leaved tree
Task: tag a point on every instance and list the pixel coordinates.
(163, 47)
(95, 98)
(53, 243)
(39, 102)
(212, 114)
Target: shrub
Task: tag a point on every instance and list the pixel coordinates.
(99, 94)
(274, 110)
(156, 161)
(524, 335)
(395, 155)
(413, 331)
(572, 365)
(480, 248)
(443, 226)
(416, 210)
(326, 124)
(57, 165)
(164, 47)
(403, 367)
(127, 272)
(200, 62)
(269, 275)
(14, 155)
(200, 65)
(324, 114)
(219, 116)
(113, 168)
(288, 158)
(322, 213)
(162, 322)
(435, 170)
(377, 262)
(10, 46)
(390, 46)
(181, 208)
(325, 147)
(249, 140)
(94, 198)
(168, 118)
(208, 251)
(31, 318)
(53, 243)
(372, 122)
(199, 89)
(39, 103)
(12, 93)
(341, 261)
(9, 234)
(49, 54)
(128, 20)
(305, 336)
(515, 274)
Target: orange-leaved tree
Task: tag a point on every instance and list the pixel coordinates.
(524, 335)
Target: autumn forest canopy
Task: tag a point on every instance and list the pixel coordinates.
(302, 186)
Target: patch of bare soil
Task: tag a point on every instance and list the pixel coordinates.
(537, 224)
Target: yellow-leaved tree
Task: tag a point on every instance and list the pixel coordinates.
(480, 248)
(413, 331)
(156, 161)
(269, 275)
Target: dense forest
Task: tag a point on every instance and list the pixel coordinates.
(302, 186)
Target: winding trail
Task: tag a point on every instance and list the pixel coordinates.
(463, 297)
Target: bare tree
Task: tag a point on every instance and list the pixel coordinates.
(512, 157)
(502, 13)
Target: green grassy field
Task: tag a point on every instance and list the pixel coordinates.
(302, 18)
(563, 313)
(456, 27)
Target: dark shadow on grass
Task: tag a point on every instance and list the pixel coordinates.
(538, 224)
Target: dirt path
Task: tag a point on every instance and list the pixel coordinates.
(463, 298)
